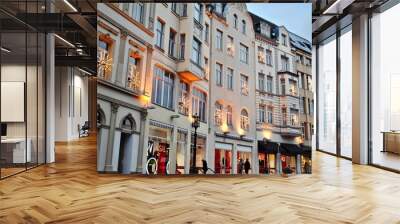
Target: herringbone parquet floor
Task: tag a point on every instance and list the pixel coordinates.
(71, 191)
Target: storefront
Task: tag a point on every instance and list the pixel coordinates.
(267, 152)
(243, 156)
(158, 149)
(223, 158)
(200, 150)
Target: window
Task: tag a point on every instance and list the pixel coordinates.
(243, 27)
(163, 88)
(307, 62)
(285, 63)
(268, 57)
(244, 84)
(293, 117)
(312, 107)
(284, 40)
(269, 115)
(244, 54)
(171, 45)
(174, 7)
(196, 51)
(182, 47)
(199, 104)
(133, 77)
(269, 84)
(235, 21)
(292, 87)
(159, 34)
(197, 12)
(244, 120)
(218, 8)
(125, 7)
(219, 40)
(218, 114)
(230, 46)
(284, 117)
(104, 60)
(218, 74)
(283, 87)
(229, 78)
(207, 34)
(260, 55)
(309, 82)
(229, 116)
(261, 81)
(261, 113)
(184, 10)
(138, 10)
(183, 98)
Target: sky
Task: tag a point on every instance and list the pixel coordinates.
(296, 17)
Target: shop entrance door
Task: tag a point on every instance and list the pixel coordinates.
(223, 161)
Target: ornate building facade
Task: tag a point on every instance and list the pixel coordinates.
(162, 66)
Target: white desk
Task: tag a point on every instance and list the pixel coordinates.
(18, 151)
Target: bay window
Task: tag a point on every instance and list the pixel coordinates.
(196, 51)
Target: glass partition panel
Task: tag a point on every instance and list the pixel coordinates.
(327, 95)
(346, 92)
(385, 89)
(14, 153)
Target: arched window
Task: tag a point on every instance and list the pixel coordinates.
(128, 123)
(235, 21)
(244, 120)
(229, 115)
(243, 27)
(218, 114)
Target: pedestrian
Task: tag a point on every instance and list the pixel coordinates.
(247, 166)
(241, 166)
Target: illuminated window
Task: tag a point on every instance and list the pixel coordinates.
(104, 58)
(218, 114)
(133, 76)
(229, 116)
(244, 120)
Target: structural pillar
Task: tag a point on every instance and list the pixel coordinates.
(360, 90)
(234, 159)
(110, 144)
(298, 164)
(278, 164)
(50, 98)
(172, 151)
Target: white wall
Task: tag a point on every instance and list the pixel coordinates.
(71, 103)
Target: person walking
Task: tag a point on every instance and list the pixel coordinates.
(241, 166)
(247, 166)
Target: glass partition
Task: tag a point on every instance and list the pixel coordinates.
(327, 95)
(346, 92)
(385, 89)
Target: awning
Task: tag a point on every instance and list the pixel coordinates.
(290, 149)
(268, 147)
(306, 150)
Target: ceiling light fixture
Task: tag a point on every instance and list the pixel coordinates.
(65, 41)
(84, 71)
(5, 50)
(70, 5)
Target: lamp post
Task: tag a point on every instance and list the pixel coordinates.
(195, 125)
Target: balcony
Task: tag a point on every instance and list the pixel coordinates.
(291, 131)
(191, 71)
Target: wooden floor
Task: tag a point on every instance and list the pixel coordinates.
(71, 191)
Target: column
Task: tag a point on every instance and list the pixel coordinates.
(122, 60)
(298, 164)
(143, 138)
(144, 147)
(187, 151)
(111, 135)
(234, 159)
(278, 163)
(172, 151)
(50, 98)
(360, 90)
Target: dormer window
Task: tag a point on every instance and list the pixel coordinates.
(235, 21)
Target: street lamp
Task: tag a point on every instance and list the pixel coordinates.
(195, 125)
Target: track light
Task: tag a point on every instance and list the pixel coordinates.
(5, 50)
(64, 40)
(70, 5)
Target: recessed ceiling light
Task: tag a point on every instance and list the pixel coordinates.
(64, 40)
(70, 5)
